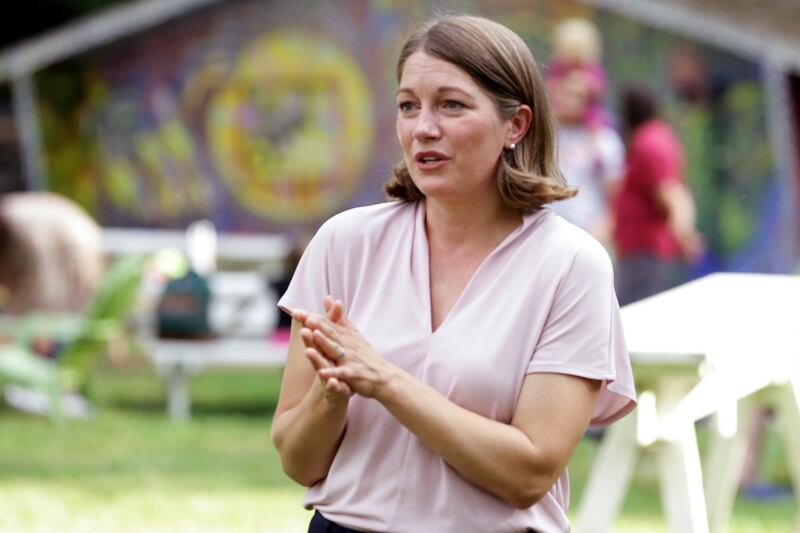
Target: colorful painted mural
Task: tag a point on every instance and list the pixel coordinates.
(290, 130)
(268, 116)
(251, 115)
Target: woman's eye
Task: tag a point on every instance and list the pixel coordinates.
(453, 105)
(405, 106)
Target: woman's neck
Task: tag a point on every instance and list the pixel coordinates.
(468, 225)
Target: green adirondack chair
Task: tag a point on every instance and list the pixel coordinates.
(85, 338)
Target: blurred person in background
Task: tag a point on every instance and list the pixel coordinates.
(51, 252)
(578, 49)
(590, 152)
(654, 212)
(461, 337)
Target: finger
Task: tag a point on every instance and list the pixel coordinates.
(330, 331)
(330, 349)
(300, 315)
(313, 321)
(338, 387)
(316, 359)
(343, 320)
(339, 372)
(306, 335)
(323, 324)
(310, 320)
(335, 311)
(319, 323)
(333, 308)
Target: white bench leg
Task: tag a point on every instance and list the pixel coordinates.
(178, 399)
(682, 482)
(609, 478)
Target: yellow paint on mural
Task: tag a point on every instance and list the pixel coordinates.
(290, 132)
(121, 182)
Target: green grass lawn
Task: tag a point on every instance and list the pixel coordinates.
(130, 468)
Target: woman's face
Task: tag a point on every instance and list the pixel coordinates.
(449, 129)
(570, 97)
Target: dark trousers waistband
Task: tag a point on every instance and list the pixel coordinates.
(320, 524)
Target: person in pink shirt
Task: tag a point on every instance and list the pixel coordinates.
(450, 348)
(654, 211)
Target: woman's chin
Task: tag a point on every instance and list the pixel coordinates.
(434, 186)
(438, 193)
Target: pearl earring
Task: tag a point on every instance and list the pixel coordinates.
(512, 146)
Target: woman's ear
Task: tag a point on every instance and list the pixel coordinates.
(519, 124)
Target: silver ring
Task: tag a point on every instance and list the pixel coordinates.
(341, 355)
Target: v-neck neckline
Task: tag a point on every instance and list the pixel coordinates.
(424, 248)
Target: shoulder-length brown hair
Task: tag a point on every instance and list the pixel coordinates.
(499, 61)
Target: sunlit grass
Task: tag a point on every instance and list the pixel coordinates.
(130, 469)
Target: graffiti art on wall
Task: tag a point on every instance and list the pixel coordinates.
(267, 115)
(250, 125)
(270, 128)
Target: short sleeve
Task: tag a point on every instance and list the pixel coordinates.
(583, 335)
(311, 280)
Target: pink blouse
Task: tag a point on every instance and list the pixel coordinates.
(542, 301)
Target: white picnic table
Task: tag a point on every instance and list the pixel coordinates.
(720, 345)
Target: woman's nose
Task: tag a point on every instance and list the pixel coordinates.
(427, 125)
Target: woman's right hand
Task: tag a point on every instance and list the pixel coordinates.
(311, 414)
(334, 390)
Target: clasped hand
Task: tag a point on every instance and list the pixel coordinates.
(344, 360)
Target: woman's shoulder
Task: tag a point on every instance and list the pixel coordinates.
(367, 232)
(363, 219)
(570, 244)
(367, 220)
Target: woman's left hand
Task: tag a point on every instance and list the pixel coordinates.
(356, 363)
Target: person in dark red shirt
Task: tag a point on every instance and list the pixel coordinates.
(654, 212)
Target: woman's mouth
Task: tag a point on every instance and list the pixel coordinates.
(430, 160)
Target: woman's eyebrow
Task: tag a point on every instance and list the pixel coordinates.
(448, 88)
(443, 89)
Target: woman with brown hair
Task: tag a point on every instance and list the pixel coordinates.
(462, 337)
